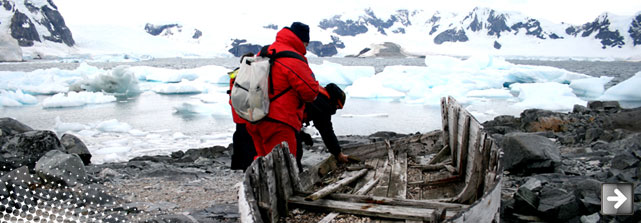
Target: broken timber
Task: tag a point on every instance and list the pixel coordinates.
(461, 183)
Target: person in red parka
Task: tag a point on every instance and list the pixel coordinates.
(294, 84)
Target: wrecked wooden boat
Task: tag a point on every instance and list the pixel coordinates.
(453, 175)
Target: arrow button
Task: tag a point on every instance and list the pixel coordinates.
(616, 199)
(620, 198)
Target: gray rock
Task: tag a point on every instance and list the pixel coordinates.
(593, 134)
(24, 149)
(580, 109)
(20, 177)
(558, 204)
(537, 120)
(73, 145)
(593, 218)
(528, 153)
(532, 184)
(624, 160)
(628, 119)
(9, 126)
(525, 201)
(57, 166)
(603, 105)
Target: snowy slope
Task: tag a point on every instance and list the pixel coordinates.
(145, 29)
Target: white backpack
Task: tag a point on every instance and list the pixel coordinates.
(250, 92)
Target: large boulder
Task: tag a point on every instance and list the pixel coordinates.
(73, 145)
(529, 153)
(9, 126)
(538, 120)
(558, 204)
(59, 167)
(24, 149)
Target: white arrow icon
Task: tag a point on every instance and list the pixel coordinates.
(620, 198)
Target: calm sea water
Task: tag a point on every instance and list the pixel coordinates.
(156, 114)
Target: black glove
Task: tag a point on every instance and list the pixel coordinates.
(306, 138)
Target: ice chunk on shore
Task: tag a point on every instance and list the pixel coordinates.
(73, 99)
(627, 90)
(549, 96)
(590, 87)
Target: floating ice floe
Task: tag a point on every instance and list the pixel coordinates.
(16, 98)
(329, 72)
(73, 99)
(183, 87)
(627, 90)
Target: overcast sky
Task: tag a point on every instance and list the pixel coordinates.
(136, 11)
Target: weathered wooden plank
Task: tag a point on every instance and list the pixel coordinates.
(367, 187)
(369, 176)
(469, 193)
(465, 139)
(454, 135)
(483, 210)
(398, 177)
(294, 172)
(474, 134)
(441, 155)
(390, 152)
(247, 203)
(335, 186)
(268, 180)
(383, 174)
(281, 173)
(329, 217)
(395, 201)
(365, 209)
(428, 167)
(445, 122)
(485, 165)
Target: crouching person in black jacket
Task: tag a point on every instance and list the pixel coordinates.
(320, 111)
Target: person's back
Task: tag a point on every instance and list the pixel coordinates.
(292, 83)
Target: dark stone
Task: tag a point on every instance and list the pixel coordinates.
(344, 28)
(558, 205)
(57, 27)
(529, 153)
(525, 201)
(156, 30)
(322, 50)
(23, 29)
(25, 149)
(239, 48)
(59, 167)
(73, 145)
(271, 26)
(593, 134)
(580, 109)
(218, 213)
(537, 120)
(600, 26)
(96, 195)
(451, 35)
(497, 24)
(624, 160)
(628, 119)
(19, 177)
(7, 5)
(497, 45)
(635, 30)
(604, 105)
(10, 126)
(532, 27)
(197, 34)
(502, 124)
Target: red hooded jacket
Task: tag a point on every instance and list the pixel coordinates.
(291, 72)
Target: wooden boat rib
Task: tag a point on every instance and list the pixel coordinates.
(453, 175)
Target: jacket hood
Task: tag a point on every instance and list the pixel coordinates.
(286, 37)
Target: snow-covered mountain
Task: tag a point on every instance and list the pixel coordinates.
(39, 27)
(34, 23)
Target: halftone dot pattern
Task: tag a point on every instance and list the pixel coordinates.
(26, 197)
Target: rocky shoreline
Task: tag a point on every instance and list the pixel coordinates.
(554, 165)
